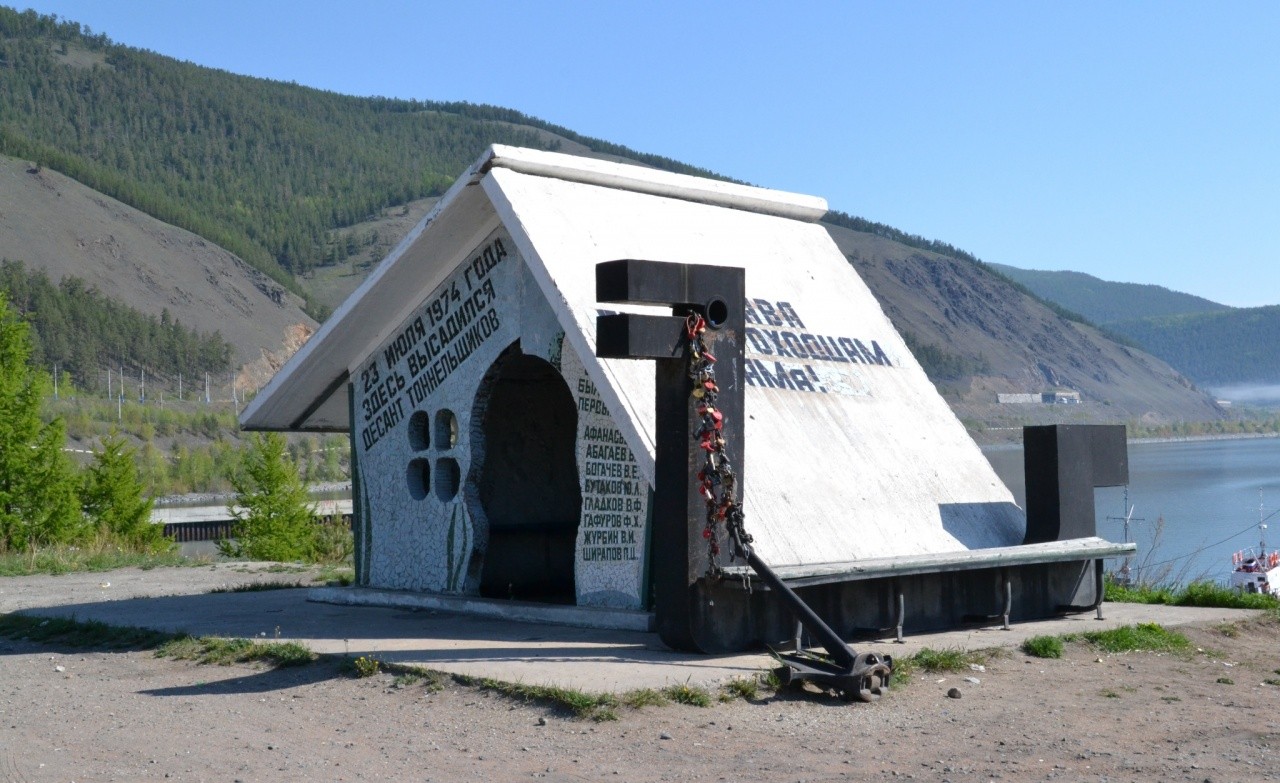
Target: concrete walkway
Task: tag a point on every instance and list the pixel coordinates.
(177, 599)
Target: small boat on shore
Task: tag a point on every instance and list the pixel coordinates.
(1256, 573)
(1257, 570)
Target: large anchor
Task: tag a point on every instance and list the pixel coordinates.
(701, 433)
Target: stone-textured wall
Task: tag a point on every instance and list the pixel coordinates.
(419, 406)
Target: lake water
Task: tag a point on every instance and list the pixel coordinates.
(1204, 492)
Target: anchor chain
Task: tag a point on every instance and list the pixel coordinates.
(717, 483)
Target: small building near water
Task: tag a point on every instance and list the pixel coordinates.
(494, 455)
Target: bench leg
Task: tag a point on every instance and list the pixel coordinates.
(1099, 589)
(902, 612)
(1008, 598)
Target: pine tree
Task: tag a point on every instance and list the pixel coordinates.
(274, 521)
(113, 498)
(38, 503)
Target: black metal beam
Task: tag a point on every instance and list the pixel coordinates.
(1063, 463)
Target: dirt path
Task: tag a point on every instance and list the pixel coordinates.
(74, 715)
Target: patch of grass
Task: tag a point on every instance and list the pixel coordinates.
(258, 587)
(597, 706)
(336, 576)
(80, 633)
(1139, 594)
(224, 652)
(1216, 595)
(685, 693)
(949, 660)
(1110, 694)
(1043, 647)
(1229, 630)
(934, 661)
(99, 556)
(1146, 636)
(1202, 593)
(740, 688)
(1271, 681)
(1170, 699)
(644, 697)
(1225, 681)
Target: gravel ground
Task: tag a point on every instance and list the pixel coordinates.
(83, 715)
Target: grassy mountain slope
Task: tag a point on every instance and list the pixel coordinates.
(1104, 302)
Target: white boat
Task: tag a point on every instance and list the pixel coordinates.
(1257, 570)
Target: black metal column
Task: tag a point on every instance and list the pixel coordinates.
(692, 613)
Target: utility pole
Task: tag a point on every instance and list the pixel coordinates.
(1123, 576)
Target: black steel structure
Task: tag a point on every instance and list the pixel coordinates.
(695, 609)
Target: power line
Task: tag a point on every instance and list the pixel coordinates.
(1253, 526)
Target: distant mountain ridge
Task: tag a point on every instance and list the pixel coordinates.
(1237, 347)
(1104, 302)
(1213, 344)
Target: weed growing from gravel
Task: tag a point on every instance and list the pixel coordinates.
(740, 688)
(1226, 681)
(685, 693)
(224, 652)
(366, 666)
(644, 697)
(1043, 647)
(933, 661)
(258, 587)
(80, 633)
(597, 706)
(1146, 636)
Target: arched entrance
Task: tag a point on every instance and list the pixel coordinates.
(528, 481)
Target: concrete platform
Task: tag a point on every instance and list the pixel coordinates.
(177, 599)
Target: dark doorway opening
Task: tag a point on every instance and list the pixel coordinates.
(528, 483)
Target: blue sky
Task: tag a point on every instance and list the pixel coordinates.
(1135, 141)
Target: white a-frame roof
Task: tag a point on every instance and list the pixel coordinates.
(850, 451)
(310, 392)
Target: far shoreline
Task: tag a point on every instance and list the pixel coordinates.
(1017, 444)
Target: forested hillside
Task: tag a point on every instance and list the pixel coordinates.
(1212, 344)
(1215, 349)
(264, 169)
(78, 328)
(1104, 302)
